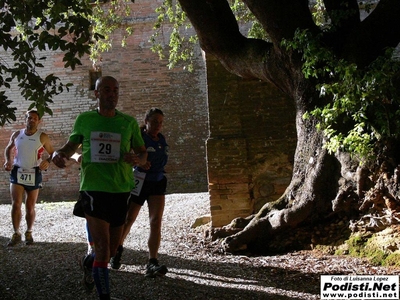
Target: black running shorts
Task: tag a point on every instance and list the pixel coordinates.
(150, 188)
(110, 207)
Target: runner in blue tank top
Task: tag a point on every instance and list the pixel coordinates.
(151, 185)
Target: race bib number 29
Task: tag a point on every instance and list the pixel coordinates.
(105, 147)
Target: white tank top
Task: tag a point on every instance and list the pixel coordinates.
(28, 150)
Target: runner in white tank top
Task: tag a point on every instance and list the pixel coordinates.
(28, 150)
(23, 159)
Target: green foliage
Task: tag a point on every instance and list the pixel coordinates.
(76, 28)
(244, 15)
(181, 46)
(319, 13)
(363, 105)
(106, 20)
(29, 27)
(334, 19)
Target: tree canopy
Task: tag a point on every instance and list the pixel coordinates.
(370, 76)
(30, 28)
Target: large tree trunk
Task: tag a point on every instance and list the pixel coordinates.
(322, 183)
(315, 184)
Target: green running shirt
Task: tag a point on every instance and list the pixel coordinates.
(104, 141)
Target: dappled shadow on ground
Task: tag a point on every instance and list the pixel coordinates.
(51, 271)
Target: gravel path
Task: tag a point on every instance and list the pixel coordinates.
(49, 269)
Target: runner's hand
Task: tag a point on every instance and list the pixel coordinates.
(131, 158)
(7, 166)
(59, 159)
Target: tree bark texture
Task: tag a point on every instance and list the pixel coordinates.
(319, 179)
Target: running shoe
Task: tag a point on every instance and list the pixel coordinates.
(86, 264)
(15, 239)
(28, 238)
(115, 261)
(153, 269)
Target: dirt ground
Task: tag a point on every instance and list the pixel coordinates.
(49, 268)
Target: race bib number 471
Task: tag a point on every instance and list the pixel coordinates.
(26, 176)
(105, 147)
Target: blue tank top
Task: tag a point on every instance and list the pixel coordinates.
(157, 154)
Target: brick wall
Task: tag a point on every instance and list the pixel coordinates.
(251, 144)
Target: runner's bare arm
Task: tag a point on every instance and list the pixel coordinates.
(7, 151)
(65, 152)
(46, 142)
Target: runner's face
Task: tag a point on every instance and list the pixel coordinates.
(108, 94)
(32, 121)
(154, 124)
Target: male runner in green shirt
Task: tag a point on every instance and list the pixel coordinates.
(111, 144)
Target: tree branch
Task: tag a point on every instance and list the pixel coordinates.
(281, 18)
(380, 30)
(344, 14)
(219, 35)
(214, 23)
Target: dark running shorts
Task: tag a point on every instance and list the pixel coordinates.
(110, 207)
(28, 188)
(150, 188)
